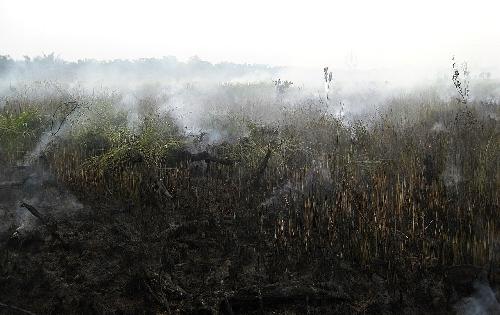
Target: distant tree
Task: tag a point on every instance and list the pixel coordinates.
(328, 81)
(6, 63)
(282, 86)
(460, 79)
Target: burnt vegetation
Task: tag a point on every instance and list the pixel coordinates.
(301, 212)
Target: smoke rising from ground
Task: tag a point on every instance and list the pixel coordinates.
(482, 302)
(196, 93)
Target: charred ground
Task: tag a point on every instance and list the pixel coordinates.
(290, 213)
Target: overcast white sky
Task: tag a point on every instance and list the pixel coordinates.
(380, 33)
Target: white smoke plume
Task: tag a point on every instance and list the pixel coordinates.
(482, 302)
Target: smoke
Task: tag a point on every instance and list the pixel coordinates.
(34, 185)
(129, 103)
(198, 95)
(482, 302)
(31, 181)
(40, 147)
(208, 98)
(451, 175)
(58, 128)
(317, 182)
(195, 89)
(438, 127)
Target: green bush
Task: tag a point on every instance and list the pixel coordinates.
(19, 133)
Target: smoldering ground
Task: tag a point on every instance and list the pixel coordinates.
(198, 195)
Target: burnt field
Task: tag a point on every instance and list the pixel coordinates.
(250, 199)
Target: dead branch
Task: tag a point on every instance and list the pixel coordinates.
(15, 308)
(11, 184)
(189, 227)
(160, 299)
(207, 157)
(34, 212)
(228, 308)
(162, 190)
(49, 225)
(74, 105)
(262, 168)
(157, 184)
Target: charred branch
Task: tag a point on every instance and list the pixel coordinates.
(72, 106)
(205, 156)
(15, 308)
(262, 168)
(11, 184)
(50, 225)
(159, 298)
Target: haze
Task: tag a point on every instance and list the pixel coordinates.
(362, 34)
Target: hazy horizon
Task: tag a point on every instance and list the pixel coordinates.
(357, 34)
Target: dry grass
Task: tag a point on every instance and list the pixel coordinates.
(415, 187)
